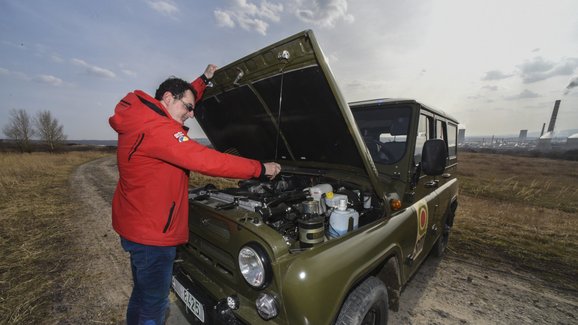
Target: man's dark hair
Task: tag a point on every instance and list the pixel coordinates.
(175, 86)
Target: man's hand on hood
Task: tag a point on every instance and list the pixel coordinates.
(210, 71)
(271, 169)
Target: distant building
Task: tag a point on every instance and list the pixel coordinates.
(523, 136)
(461, 136)
(572, 142)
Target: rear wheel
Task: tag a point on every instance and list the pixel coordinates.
(366, 305)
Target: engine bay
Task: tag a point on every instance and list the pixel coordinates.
(305, 210)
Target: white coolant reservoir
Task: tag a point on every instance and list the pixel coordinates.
(318, 190)
(332, 199)
(341, 218)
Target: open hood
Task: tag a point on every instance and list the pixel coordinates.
(282, 104)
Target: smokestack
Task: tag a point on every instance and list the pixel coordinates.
(543, 126)
(554, 115)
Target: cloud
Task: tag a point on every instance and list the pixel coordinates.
(366, 87)
(93, 70)
(224, 19)
(16, 74)
(495, 75)
(166, 8)
(48, 79)
(524, 95)
(249, 16)
(332, 58)
(252, 17)
(539, 69)
(271, 11)
(490, 87)
(255, 24)
(56, 58)
(573, 83)
(323, 13)
(128, 72)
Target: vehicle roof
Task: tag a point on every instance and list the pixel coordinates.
(395, 101)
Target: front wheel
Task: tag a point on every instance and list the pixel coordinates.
(366, 305)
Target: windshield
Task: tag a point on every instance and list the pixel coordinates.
(384, 130)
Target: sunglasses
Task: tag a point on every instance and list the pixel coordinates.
(190, 107)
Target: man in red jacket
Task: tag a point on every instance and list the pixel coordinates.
(150, 204)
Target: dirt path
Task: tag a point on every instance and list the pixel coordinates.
(447, 291)
(104, 265)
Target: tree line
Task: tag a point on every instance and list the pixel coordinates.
(22, 129)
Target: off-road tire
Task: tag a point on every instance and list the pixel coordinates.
(366, 304)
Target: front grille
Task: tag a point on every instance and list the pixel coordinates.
(214, 257)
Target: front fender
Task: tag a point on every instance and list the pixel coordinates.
(315, 283)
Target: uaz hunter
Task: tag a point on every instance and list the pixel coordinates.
(367, 191)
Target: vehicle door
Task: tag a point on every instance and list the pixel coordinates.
(426, 201)
(447, 131)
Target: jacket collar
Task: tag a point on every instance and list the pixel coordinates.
(156, 109)
(152, 106)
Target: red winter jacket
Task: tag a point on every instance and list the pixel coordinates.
(150, 204)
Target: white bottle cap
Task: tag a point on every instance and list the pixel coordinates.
(342, 205)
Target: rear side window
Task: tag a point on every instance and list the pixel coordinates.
(424, 132)
(452, 140)
(441, 130)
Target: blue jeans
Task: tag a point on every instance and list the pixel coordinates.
(152, 268)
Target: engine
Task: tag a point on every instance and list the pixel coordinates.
(304, 210)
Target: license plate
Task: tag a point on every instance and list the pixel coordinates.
(190, 301)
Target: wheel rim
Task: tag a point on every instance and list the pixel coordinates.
(373, 316)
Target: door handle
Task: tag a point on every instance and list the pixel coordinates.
(433, 183)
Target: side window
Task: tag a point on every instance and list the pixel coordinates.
(452, 140)
(440, 130)
(423, 133)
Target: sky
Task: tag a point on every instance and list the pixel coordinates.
(496, 66)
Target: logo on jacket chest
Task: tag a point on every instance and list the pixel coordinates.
(181, 136)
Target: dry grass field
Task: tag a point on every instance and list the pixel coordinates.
(515, 214)
(36, 233)
(521, 212)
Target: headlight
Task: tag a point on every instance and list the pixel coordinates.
(255, 266)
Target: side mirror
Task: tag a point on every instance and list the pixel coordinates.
(433, 157)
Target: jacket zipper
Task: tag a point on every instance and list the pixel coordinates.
(170, 218)
(136, 145)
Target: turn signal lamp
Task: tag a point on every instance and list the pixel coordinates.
(395, 204)
(266, 306)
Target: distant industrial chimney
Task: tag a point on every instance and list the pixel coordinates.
(543, 126)
(554, 115)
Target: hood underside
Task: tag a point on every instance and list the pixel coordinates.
(281, 103)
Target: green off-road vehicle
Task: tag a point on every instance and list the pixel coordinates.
(367, 190)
